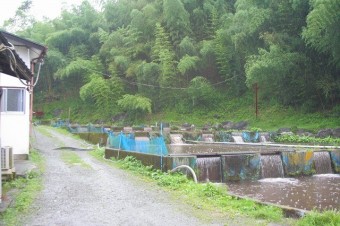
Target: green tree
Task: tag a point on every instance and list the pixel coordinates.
(135, 105)
(103, 93)
(147, 81)
(165, 56)
(201, 92)
(322, 31)
(176, 20)
(187, 47)
(278, 73)
(187, 64)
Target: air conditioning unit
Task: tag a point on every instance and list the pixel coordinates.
(7, 161)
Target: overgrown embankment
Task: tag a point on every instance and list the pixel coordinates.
(270, 117)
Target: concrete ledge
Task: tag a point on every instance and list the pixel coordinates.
(20, 156)
(156, 161)
(24, 167)
(164, 163)
(290, 212)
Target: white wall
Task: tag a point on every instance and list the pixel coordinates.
(14, 126)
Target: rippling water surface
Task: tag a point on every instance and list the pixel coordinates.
(320, 191)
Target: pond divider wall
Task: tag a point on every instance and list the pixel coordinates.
(94, 138)
(233, 167)
(335, 156)
(298, 163)
(164, 163)
(241, 167)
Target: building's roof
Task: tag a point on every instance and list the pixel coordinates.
(21, 70)
(37, 50)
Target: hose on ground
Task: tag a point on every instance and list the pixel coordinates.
(188, 168)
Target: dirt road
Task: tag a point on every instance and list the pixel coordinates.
(99, 194)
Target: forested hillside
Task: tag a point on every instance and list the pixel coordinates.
(143, 56)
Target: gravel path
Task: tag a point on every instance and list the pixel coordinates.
(99, 194)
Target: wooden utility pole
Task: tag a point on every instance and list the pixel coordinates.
(256, 100)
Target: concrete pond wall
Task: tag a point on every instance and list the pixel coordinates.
(164, 163)
(94, 138)
(233, 167)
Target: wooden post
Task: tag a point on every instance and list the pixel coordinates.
(256, 100)
(31, 100)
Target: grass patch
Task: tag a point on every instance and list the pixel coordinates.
(73, 159)
(327, 218)
(26, 189)
(44, 130)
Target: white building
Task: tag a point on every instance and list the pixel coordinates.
(18, 56)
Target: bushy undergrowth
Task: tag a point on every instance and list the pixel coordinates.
(286, 138)
(270, 118)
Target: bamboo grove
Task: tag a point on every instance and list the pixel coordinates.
(146, 56)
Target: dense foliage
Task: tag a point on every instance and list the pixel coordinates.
(188, 54)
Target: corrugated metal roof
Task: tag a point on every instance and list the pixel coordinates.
(38, 50)
(21, 70)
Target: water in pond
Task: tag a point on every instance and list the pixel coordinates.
(209, 169)
(322, 162)
(271, 166)
(238, 139)
(320, 192)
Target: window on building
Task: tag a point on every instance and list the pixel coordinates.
(13, 100)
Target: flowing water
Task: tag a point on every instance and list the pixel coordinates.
(209, 169)
(176, 139)
(320, 192)
(238, 139)
(263, 139)
(271, 166)
(322, 162)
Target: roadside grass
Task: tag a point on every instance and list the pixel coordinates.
(73, 159)
(327, 218)
(25, 189)
(44, 130)
(209, 197)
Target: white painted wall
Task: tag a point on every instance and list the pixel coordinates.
(14, 126)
